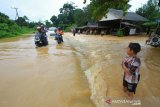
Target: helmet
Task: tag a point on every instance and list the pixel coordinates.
(38, 28)
(42, 26)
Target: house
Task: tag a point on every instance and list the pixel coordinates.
(90, 28)
(115, 20)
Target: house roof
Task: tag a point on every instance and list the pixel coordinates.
(92, 24)
(89, 25)
(114, 14)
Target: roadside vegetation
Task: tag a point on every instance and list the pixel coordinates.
(150, 10)
(70, 16)
(11, 28)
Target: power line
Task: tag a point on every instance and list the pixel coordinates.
(16, 9)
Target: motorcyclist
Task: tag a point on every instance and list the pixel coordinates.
(40, 38)
(43, 31)
(59, 33)
(38, 29)
(37, 38)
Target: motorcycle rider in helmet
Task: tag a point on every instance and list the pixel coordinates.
(43, 31)
(59, 33)
(40, 38)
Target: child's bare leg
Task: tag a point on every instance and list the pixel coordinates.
(130, 95)
(124, 89)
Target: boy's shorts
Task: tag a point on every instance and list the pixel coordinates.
(131, 87)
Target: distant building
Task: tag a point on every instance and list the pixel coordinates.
(128, 23)
(114, 21)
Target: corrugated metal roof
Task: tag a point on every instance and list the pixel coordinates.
(114, 14)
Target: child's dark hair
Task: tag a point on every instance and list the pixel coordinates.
(135, 47)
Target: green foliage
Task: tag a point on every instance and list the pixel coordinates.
(70, 15)
(24, 22)
(80, 18)
(21, 21)
(68, 28)
(48, 24)
(9, 28)
(67, 8)
(12, 32)
(99, 8)
(66, 16)
(119, 33)
(150, 10)
(3, 18)
(54, 20)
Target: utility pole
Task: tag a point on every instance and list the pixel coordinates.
(16, 12)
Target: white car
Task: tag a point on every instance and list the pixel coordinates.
(51, 31)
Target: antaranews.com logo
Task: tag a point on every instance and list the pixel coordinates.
(123, 101)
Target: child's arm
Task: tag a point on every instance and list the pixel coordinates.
(133, 69)
(125, 68)
(122, 65)
(134, 66)
(130, 70)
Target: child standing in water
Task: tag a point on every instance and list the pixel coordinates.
(131, 66)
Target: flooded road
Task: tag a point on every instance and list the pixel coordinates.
(45, 77)
(84, 71)
(101, 61)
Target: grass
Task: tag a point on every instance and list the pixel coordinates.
(20, 32)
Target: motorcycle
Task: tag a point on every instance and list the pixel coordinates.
(40, 39)
(59, 38)
(154, 38)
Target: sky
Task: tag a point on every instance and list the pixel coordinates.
(43, 10)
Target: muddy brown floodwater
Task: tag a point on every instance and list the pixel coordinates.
(45, 77)
(84, 71)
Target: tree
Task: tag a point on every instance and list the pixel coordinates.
(22, 21)
(66, 16)
(80, 17)
(48, 24)
(54, 20)
(149, 10)
(88, 14)
(67, 11)
(3, 18)
(67, 8)
(32, 24)
(25, 18)
(8, 27)
(63, 21)
(99, 8)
